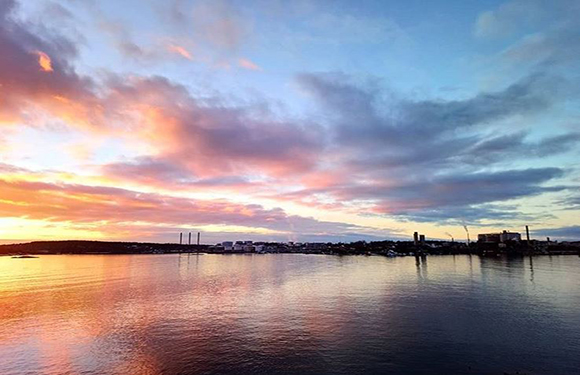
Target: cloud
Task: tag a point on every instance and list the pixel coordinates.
(447, 196)
(374, 151)
(206, 136)
(211, 139)
(570, 233)
(453, 190)
(25, 61)
(507, 18)
(180, 51)
(148, 170)
(105, 208)
(516, 145)
(552, 48)
(546, 35)
(146, 52)
(481, 215)
(220, 30)
(413, 137)
(121, 37)
(8, 169)
(44, 61)
(570, 202)
(247, 64)
(430, 157)
(174, 176)
(363, 116)
(57, 12)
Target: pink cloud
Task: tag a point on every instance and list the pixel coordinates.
(247, 64)
(182, 51)
(207, 139)
(212, 140)
(366, 155)
(107, 209)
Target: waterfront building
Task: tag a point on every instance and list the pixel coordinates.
(499, 237)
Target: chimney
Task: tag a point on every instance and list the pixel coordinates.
(180, 238)
(416, 238)
(528, 234)
(198, 233)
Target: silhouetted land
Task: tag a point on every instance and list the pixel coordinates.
(386, 248)
(96, 247)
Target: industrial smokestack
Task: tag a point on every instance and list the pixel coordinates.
(449, 234)
(198, 233)
(180, 238)
(467, 231)
(189, 240)
(416, 238)
(528, 234)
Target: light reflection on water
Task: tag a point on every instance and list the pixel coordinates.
(152, 314)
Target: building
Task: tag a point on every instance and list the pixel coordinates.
(488, 237)
(499, 237)
(510, 236)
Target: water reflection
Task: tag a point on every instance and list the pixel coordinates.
(288, 313)
(421, 264)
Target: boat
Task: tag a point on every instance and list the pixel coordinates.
(23, 257)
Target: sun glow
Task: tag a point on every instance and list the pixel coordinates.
(28, 229)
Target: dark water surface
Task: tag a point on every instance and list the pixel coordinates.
(308, 314)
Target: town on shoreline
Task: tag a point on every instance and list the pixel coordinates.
(487, 245)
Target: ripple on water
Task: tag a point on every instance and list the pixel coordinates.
(285, 313)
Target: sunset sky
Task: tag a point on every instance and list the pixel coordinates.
(288, 120)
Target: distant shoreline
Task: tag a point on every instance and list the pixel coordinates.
(383, 248)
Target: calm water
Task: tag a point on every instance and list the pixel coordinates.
(241, 314)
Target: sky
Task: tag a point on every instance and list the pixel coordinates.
(272, 120)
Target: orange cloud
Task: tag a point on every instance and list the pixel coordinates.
(44, 61)
(247, 64)
(180, 51)
(208, 140)
(107, 210)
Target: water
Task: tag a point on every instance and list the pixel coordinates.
(309, 314)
